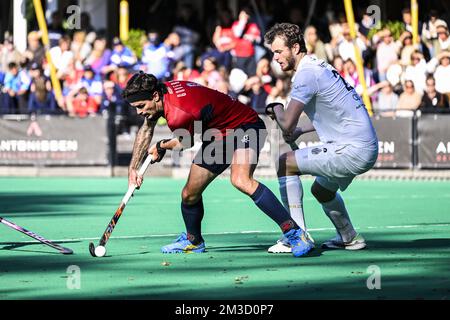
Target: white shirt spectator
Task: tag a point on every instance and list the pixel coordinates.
(442, 76)
(387, 100)
(386, 55)
(417, 73)
(444, 44)
(60, 59)
(346, 50)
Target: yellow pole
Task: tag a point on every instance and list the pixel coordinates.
(415, 21)
(43, 27)
(124, 20)
(359, 63)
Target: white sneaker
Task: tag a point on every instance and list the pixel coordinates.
(357, 243)
(283, 246)
(280, 247)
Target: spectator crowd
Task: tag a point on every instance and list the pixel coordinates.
(402, 77)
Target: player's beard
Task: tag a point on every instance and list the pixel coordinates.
(290, 64)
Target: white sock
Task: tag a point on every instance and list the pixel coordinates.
(291, 191)
(335, 210)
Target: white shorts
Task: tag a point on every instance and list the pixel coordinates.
(334, 164)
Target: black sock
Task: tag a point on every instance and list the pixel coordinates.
(193, 216)
(270, 205)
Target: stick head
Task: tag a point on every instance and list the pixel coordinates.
(98, 251)
(92, 249)
(66, 251)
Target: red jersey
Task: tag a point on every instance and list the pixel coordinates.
(187, 102)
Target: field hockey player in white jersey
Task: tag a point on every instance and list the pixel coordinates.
(338, 115)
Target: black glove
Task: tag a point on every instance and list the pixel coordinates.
(269, 109)
(161, 151)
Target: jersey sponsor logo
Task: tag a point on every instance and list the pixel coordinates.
(245, 139)
(356, 97)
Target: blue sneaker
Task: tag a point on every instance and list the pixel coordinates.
(283, 246)
(299, 242)
(183, 245)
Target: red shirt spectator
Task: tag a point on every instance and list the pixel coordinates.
(246, 33)
(224, 38)
(83, 105)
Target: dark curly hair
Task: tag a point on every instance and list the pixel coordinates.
(291, 34)
(143, 82)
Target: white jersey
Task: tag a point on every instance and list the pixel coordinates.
(333, 106)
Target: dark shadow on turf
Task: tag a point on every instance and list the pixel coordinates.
(414, 244)
(35, 251)
(46, 204)
(258, 248)
(126, 254)
(14, 246)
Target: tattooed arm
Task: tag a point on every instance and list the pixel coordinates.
(140, 148)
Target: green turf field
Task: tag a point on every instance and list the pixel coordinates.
(406, 224)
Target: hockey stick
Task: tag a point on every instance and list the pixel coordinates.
(119, 211)
(36, 236)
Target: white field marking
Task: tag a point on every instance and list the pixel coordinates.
(236, 233)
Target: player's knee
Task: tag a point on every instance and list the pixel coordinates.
(241, 183)
(322, 194)
(188, 197)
